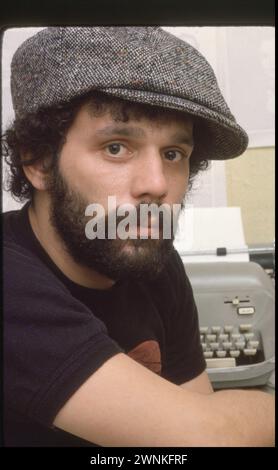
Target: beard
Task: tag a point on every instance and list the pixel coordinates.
(139, 259)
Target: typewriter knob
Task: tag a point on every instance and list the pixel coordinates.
(235, 301)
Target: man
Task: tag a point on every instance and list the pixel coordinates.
(101, 333)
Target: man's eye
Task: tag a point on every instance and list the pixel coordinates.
(115, 149)
(174, 155)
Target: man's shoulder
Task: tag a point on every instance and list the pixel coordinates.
(23, 269)
(14, 243)
(16, 255)
(19, 256)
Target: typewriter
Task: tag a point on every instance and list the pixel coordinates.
(235, 302)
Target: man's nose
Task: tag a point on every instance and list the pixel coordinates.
(149, 177)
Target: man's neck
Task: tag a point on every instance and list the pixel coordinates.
(51, 242)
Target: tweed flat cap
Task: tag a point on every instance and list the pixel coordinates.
(140, 64)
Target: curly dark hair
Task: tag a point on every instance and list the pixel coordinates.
(43, 134)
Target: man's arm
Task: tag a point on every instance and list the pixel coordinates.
(125, 404)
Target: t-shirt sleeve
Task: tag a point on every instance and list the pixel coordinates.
(52, 342)
(184, 355)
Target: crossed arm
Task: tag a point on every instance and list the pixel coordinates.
(125, 404)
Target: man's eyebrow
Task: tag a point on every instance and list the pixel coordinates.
(124, 131)
(137, 132)
(182, 138)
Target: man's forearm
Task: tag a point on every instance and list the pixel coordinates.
(249, 417)
(125, 404)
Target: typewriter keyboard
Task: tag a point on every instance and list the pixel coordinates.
(230, 346)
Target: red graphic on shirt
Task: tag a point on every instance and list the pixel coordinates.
(148, 354)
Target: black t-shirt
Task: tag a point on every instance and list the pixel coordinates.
(57, 333)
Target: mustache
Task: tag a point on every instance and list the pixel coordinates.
(141, 215)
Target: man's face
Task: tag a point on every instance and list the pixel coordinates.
(139, 161)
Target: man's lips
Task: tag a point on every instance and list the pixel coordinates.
(146, 230)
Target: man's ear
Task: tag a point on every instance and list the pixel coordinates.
(36, 173)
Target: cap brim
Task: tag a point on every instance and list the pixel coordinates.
(221, 138)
